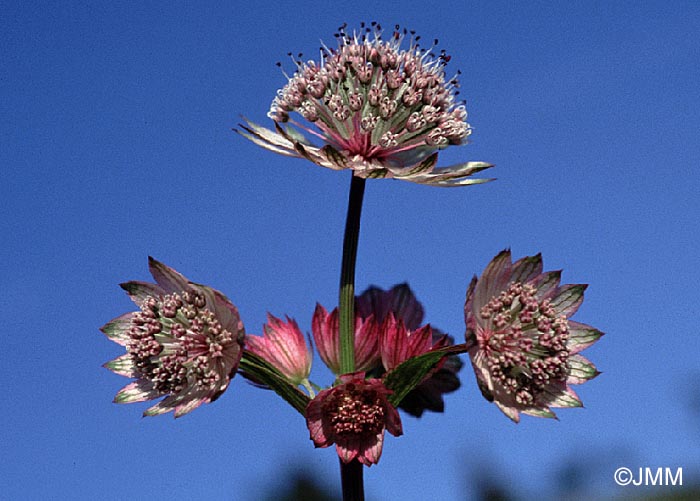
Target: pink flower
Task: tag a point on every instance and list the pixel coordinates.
(378, 110)
(527, 350)
(185, 343)
(284, 347)
(326, 333)
(353, 416)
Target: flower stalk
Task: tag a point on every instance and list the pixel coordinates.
(347, 276)
(352, 481)
(350, 473)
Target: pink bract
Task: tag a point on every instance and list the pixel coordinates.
(284, 347)
(353, 416)
(185, 343)
(326, 333)
(526, 355)
(397, 344)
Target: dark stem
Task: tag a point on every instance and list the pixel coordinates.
(347, 278)
(351, 478)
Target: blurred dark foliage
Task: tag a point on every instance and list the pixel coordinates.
(583, 475)
(299, 485)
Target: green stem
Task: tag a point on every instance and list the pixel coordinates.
(352, 481)
(347, 276)
(351, 473)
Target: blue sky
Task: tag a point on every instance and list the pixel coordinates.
(116, 144)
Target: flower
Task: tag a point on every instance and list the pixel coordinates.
(526, 354)
(379, 110)
(353, 416)
(283, 346)
(326, 333)
(403, 337)
(185, 343)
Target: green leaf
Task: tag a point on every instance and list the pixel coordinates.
(262, 372)
(410, 374)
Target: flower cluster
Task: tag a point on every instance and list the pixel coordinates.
(401, 304)
(388, 332)
(185, 343)
(526, 354)
(382, 111)
(353, 415)
(379, 110)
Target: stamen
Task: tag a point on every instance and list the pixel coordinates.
(525, 343)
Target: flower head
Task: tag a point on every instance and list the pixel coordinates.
(326, 332)
(527, 350)
(185, 343)
(378, 109)
(283, 346)
(353, 416)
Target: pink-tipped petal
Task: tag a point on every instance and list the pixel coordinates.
(324, 327)
(138, 391)
(526, 268)
(138, 291)
(546, 284)
(565, 397)
(393, 340)
(398, 344)
(581, 370)
(348, 450)
(581, 336)
(494, 279)
(568, 299)
(122, 365)
(169, 279)
(366, 344)
(118, 329)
